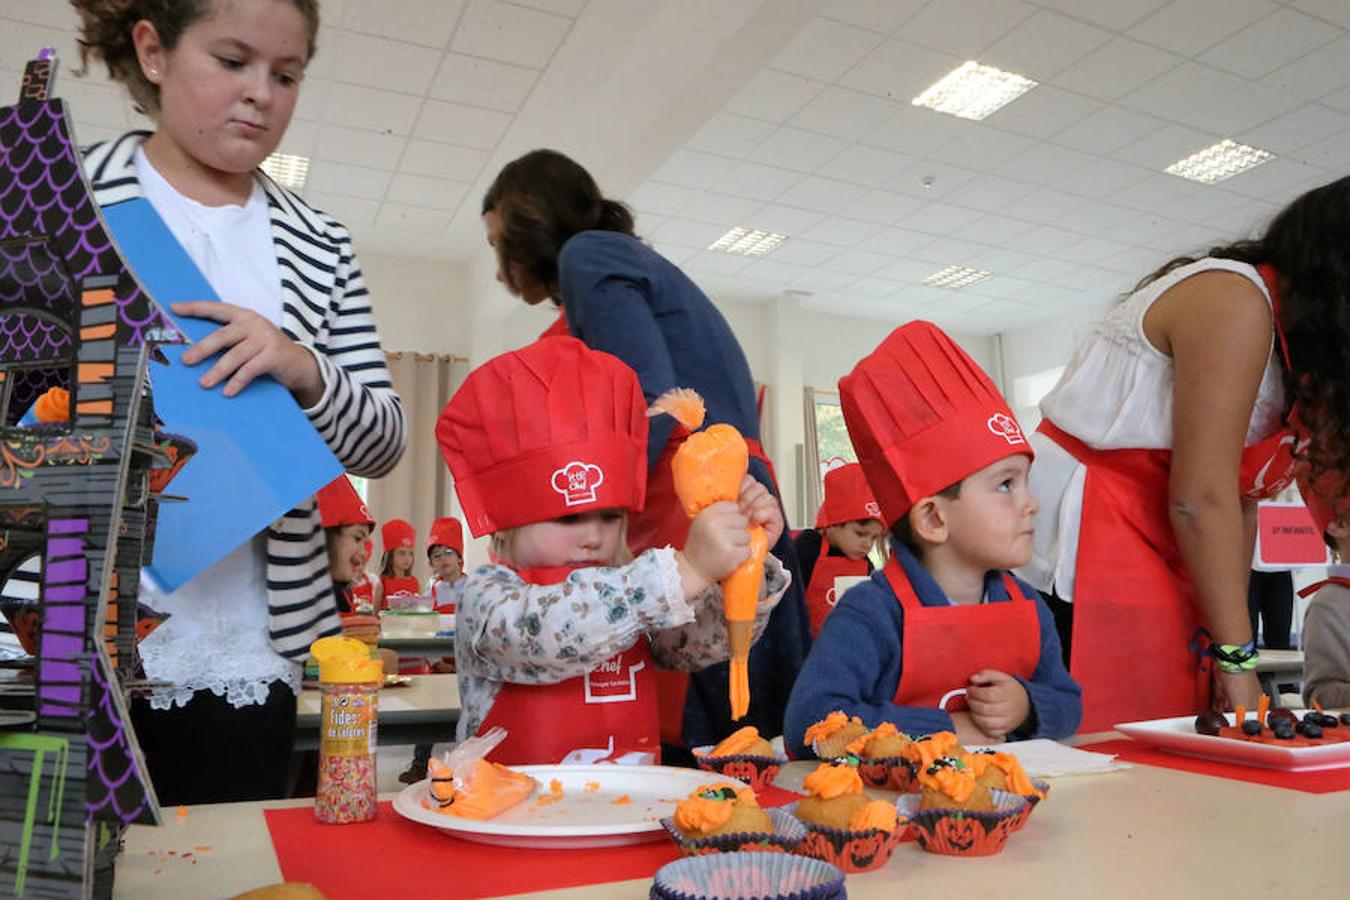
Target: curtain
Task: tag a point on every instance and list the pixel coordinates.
(419, 487)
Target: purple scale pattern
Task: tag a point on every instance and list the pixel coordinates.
(29, 338)
(44, 194)
(114, 788)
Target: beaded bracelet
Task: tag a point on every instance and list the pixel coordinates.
(1235, 658)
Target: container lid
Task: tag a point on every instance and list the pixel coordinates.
(346, 661)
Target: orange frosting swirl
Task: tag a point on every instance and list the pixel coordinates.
(878, 815)
(933, 747)
(828, 726)
(830, 781)
(53, 406)
(1016, 777)
(885, 729)
(737, 742)
(705, 814)
(955, 781)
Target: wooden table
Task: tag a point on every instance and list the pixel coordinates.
(425, 710)
(1144, 832)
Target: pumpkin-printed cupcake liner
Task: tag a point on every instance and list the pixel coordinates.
(1032, 799)
(894, 773)
(959, 832)
(787, 834)
(732, 876)
(756, 771)
(851, 851)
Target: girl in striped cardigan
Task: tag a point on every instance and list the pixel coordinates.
(221, 81)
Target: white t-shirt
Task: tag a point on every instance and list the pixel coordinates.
(216, 635)
(1116, 393)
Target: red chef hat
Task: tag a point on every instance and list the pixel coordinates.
(922, 416)
(340, 504)
(447, 532)
(397, 533)
(847, 497)
(543, 432)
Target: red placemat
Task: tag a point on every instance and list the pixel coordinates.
(1327, 781)
(391, 853)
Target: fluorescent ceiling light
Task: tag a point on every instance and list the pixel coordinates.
(287, 169)
(748, 242)
(973, 91)
(1223, 160)
(955, 277)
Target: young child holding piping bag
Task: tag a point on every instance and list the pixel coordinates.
(558, 638)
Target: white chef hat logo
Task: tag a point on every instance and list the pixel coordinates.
(1006, 427)
(577, 482)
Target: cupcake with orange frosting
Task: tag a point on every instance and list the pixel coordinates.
(881, 758)
(725, 817)
(1003, 772)
(955, 815)
(743, 755)
(844, 826)
(830, 737)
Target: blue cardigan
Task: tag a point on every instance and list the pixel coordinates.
(624, 298)
(855, 664)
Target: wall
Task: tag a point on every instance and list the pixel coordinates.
(1027, 351)
(419, 304)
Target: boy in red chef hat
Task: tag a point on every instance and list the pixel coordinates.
(943, 626)
(848, 526)
(396, 577)
(557, 640)
(445, 553)
(346, 523)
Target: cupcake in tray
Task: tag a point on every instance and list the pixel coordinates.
(745, 756)
(1003, 771)
(831, 736)
(955, 815)
(734, 876)
(726, 817)
(844, 827)
(882, 762)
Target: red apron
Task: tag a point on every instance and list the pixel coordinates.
(1314, 588)
(944, 645)
(607, 715)
(664, 523)
(442, 604)
(398, 587)
(364, 591)
(820, 596)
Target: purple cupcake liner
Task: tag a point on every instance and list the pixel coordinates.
(748, 876)
(787, 834)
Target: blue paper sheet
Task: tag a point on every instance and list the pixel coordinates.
(257, 454)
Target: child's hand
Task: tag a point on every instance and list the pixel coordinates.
(998, 702)
(968, 734)
(250, 346)
(761, 508)
(718, 542)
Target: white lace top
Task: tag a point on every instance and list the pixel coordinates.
(1116, 393)
(216, 635)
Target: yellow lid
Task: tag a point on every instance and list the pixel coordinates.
(346, 661)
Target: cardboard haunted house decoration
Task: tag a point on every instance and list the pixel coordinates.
(78, 499)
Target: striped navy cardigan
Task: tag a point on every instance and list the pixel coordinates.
(326, 309)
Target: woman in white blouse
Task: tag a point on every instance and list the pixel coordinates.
(1186, 404)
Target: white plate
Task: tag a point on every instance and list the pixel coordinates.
(581, 818)
(1178, 735)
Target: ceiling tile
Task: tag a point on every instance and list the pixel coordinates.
(1212, 205)
(1140, 229)
(942, 218)
(1261, 48)
(354, 181)
(353, 212)
(883, 207)
(982, 147)
(509, 33)
(874, 288)
(1045, 240)
(443, 160)
(1323, 71)
(721, 208)
(843, 113)
(658, 197)
(426, 22)
(1116, 15)
(1166, 145)
(675, 253)
(793, 148)
(1101, 177)
(371, 109)
(899, 71)
(1045, 164)
(688, 233)
(1043, 206)
(1297, 129)
(459, 124)
(841, 231)
(783, 219)
(999, 259)
(884, 18)
(1336, 11)
(996, 229)
(821, 194)
(1116, 68)
(1189, 27)
(419, 190)
(870, 166)
(825, 49)
(376, 62)
(1043, 45)
(907, 271)
(1092, 250)
(413, 218)
(977, 24)
(359, 148)
(860, 262)
(569, 8)
(1331, 153)
(749, 179)
(947, 251)
(50, 15)
(804, 253)
(1157, 191)
(773, 95)
(822, 280)
(691, 169)
(714, 263)
(727, 134)
(773, 271)
(482, 82)
(1108, 129)
(1278, 178)
(930, 180)
(1043, 111)
(1208, 98)
(1095, 217)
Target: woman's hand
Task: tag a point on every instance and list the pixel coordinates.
(250, 346)
(1236, 689)
(761, 508)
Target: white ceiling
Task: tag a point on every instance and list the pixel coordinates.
(794, 116)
